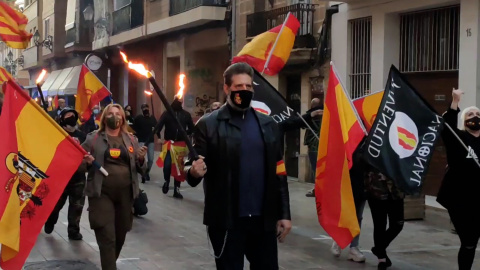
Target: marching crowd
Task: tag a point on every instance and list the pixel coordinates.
(247, 204)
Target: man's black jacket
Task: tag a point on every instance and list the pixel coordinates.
(171, 130)
(219, 140)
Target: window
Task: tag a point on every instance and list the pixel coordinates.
(429, 40)
(360, 60)
(46, 29)
(118, 4)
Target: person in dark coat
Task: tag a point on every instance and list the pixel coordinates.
(74, 190)
(459, 190)
(172, 134)
(247, 206)
(144, 125)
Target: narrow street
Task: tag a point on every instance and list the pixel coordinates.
(171, 236)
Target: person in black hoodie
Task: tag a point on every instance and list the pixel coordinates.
(144, 124)
(459, 190)
(129, 116)
(172, 134)
(74, 190)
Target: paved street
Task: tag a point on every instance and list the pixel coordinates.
(171, 236)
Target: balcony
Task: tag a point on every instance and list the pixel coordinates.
(263, 21)
(128, 17)
(179, 6)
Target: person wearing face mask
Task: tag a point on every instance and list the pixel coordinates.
(172, 134)
(129, 116)
(459, 190)
(144, 124)
(247, 206)
(90, 125)
(110, 198)
(75, 187)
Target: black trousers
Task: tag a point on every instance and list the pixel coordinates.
(467, 225)
(76, 200)
(167, 170)
(248, 239)
(383, 210)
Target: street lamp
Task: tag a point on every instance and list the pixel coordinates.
(47, 43)
(10, 64)
(88, 13)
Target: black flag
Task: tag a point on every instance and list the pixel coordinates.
(269, 101)
(403, 135)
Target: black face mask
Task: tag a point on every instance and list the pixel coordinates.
(241, 99)
(473, 123)
(70, 121)
(146, 112)
(113, 122)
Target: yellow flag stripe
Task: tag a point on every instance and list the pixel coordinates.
(348, 117)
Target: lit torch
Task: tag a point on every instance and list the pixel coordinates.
(39, 88)
(140, 69)
(181, 84)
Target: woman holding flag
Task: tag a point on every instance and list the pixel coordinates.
(111, 198)
(459, 190)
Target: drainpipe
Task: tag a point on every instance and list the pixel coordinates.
(324, 41)
(233, 27)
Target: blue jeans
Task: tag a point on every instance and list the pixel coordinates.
(359, 206)
(312, 157)
(150, 154)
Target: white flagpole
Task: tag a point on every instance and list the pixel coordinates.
(371, 94)
(349, 99)
(275, 44)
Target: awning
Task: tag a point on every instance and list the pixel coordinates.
(49, 81)
(70, 85)
(54, 88)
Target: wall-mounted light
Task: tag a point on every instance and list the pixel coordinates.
(47, 43)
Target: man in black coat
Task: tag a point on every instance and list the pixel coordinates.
(144, 124)
(247, 205)
(173, 134)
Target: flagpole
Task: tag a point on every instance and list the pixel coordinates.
(309, 127)
(349, 99)
(275, 44)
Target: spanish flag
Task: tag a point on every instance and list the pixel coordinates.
(37, 159)
(178, 151)
(367, 108)
(90, 92)
(5, 75)
(339, 137)
(12, 27)
(269, 51)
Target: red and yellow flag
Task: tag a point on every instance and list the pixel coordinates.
(37, 159)
(257, 51)
(12, 27)
(339, 137)
(90, 92)
(178, 151)
(367, 108)
(5, 75)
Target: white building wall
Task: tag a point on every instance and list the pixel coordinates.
(386, 40)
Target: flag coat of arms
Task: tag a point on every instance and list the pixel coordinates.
(178, 151)
(269, 51)
(90, 92)
(402, 140)
(37, 159)
(367, 108)
(341, 133)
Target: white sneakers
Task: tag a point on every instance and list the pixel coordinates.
(335, 249)
(355, 254)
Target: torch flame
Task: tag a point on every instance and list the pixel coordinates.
(139, 68)
(41, 76)
(148, 92)
(181, 84)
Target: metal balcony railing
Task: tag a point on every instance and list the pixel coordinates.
(263, 21)
(179, 6)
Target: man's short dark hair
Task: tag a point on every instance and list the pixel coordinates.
(236, 69)
(144, 105)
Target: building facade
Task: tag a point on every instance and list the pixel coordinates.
(435, 43)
